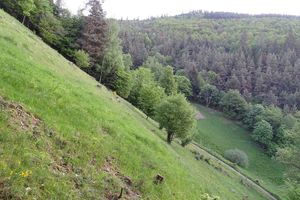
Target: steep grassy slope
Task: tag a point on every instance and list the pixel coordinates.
(220, 134)
(64, 137)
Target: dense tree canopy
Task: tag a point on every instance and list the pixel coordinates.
(289, 155)
(257, 55)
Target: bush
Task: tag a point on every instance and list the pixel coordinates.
(237, 156)
(207, 160)
(198, 156)
(82, 59)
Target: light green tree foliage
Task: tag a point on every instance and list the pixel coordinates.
(184, 85)
(290, 155)
(176, 115)
(289, 121)
(274, 116)
(27, 7)
(263, 133)
(127, 59)
(167, 81)
(150, 95)
(234, 105)
(254, 115)
(146, 94)
(114, 69)
(141, 76)
(82, 59)
(50, 28)
(123, 83)
(113, 57)
(209, 95)
(181, 72)
(212, 78)
(156, 67)
(200, 80)
(190, 137)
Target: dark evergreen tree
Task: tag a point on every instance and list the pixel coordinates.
(94, 35)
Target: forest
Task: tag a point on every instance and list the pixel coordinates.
(247, 66)
(256, 55)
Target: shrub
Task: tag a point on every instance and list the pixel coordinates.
(82, 59)
(199, 156)
(207, 160)
(186, 141)
(237, 156)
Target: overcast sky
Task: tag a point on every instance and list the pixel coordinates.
(133, 9)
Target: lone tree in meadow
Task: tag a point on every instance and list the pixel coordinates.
(175, 115)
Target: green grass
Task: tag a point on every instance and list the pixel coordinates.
(219, 134)
(82, 125)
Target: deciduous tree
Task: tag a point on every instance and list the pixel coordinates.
(234, 105)
(176, 115)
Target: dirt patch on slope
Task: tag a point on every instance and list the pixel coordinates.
(199, 116)
(19, 117)
(127, 191)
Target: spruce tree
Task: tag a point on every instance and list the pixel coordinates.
(93, 37)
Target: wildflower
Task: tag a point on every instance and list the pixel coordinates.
(26, 173)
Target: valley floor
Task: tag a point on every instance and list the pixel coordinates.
(218, 134)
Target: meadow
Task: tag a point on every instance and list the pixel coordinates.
(218, 133)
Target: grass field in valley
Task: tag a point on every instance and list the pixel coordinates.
(219, 134)
(64, 137)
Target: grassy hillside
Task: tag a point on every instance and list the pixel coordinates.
(220, 134)
(64, 137)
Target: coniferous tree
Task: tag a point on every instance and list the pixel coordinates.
(93, 37)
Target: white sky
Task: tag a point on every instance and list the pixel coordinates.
(141, 9)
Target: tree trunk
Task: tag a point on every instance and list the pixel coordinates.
(170, 138)
(24, 18)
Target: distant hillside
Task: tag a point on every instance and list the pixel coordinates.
(229, 15)
(257, 55)
(65, 136)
